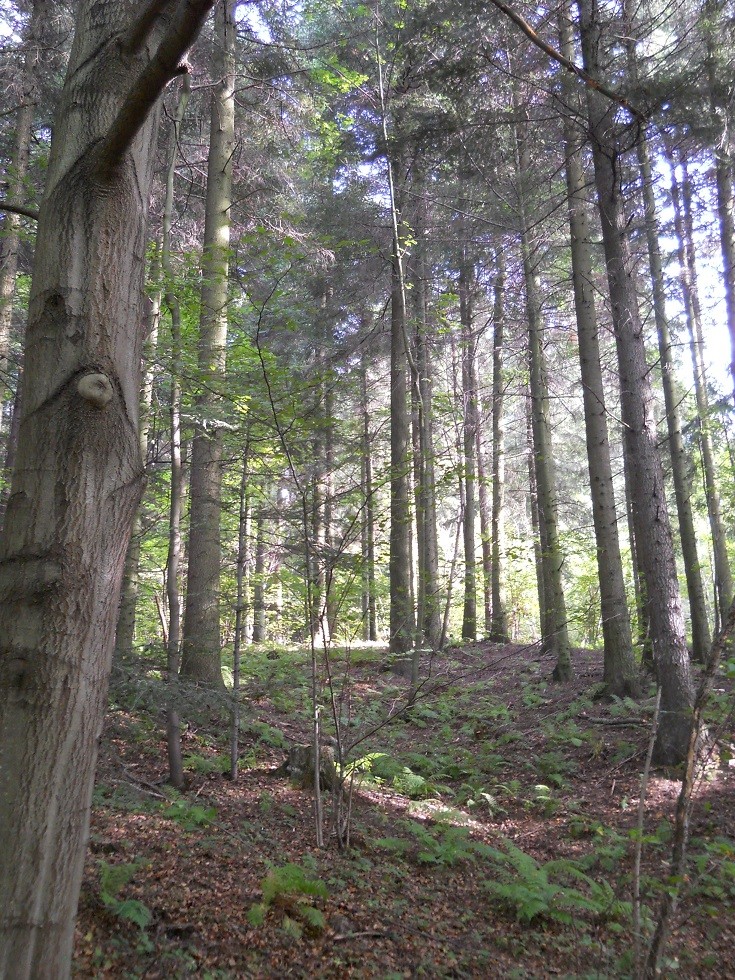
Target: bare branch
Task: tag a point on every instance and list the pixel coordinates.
(144, 24)
(18, 209)
(551, 51)
(146, 89)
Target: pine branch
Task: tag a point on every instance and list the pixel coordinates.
(18, 209)
(162, 68)
(570, 66)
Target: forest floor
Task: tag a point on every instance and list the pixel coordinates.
(491, 834)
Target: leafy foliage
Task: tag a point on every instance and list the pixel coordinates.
(557, 890)
(291, 886)
(113, 878)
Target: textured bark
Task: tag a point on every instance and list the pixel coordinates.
(78, 477)
(648, 493)
(684, 225)
(499, 626)
(201, 659)
(619, 672)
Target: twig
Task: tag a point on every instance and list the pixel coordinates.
(343, 937)
(594, 83)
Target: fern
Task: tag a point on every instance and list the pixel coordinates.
(291, 879)
(293, 888)
(113, 878)
(532, 890)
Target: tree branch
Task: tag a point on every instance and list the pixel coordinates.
(18, 209)
(163, 66)
(594, 83)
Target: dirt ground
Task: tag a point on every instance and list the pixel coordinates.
(493, 752)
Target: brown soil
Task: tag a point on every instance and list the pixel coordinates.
(395, 906)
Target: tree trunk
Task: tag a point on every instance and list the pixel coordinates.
(683, 222)
(499, 628)
(620, 674)
(399, 566)
(469, 428)
(201, 655)
(259, 634)
(125, 632)
(723, 178)
(484, 512)
(369, 611)
(78, 477)
(701, 636)
(429, 606)
(538, 547)
(176, 502)
(554, 613)
(240, 609)
(650, 513)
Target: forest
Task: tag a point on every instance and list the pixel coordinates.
(367, 480)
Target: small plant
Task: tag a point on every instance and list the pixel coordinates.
(384, 769)
(444, 845)
(549, 891)
(205, 765)
(190, 816)
(293, 889)
(113, 878)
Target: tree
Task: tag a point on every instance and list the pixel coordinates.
(552, 602)
(651, 524)
(78, 473)
(619, 667)
(201, 654)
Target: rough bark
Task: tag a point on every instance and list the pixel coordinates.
(78, 477)
(619, 670)
(648, 493)
(201, 659)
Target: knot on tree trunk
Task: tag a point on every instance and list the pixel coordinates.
(96, 388)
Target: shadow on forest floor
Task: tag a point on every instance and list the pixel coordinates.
(491, 834)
